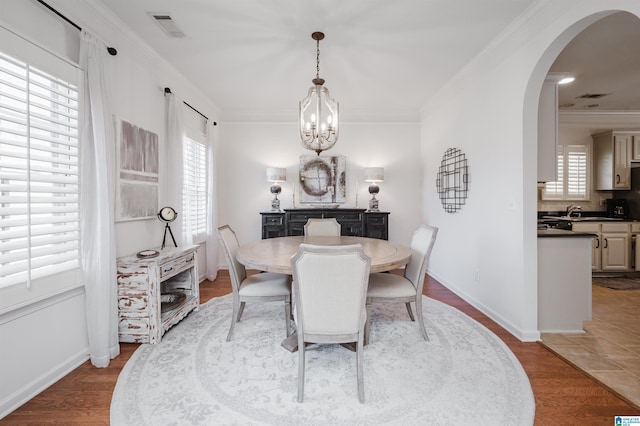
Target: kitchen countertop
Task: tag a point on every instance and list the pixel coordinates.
(555, 233)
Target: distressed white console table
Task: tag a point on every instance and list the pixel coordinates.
(141, 282)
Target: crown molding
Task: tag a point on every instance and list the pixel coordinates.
(600, 119)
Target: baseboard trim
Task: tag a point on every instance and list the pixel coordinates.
(522, 335)
(30, 390)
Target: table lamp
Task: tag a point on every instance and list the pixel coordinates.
(373, 175)
(275, 175)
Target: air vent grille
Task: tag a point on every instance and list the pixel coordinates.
(168, 25)
(592, 95)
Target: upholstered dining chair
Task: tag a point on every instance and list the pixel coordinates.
(330, 288)
(264, 287)
(392, 288)
(322, 227)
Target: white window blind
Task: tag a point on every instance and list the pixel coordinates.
(195, 185)
(39, 223)
(573, 175)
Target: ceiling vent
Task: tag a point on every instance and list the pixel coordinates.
(168, 25)
(592, 95)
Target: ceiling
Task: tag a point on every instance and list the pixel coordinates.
(605, 60)
(380, 59)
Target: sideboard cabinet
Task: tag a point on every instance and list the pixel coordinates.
(353, 222)
(143, 285)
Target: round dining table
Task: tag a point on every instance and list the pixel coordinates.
(274, 254)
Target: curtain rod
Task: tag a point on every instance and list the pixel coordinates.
(112, 50)
(168, 90)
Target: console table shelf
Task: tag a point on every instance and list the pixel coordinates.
(353, 222)
(141, 284)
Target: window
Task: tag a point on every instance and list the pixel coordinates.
(195, 175)
(39, 188)
(573, 175)
(195, 186)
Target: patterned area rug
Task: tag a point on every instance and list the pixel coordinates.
(464, 375)
(617, 283)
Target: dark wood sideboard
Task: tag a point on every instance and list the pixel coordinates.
(353, 222)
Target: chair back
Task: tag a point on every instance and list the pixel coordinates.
(237, 271)
(322, 227)
(421, 245)
(330, 288)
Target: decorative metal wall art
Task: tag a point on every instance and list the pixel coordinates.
(322, 180)
(453, 180)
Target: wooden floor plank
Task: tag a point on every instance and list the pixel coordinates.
(564, 395)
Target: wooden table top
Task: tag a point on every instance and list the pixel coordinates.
(274, 254)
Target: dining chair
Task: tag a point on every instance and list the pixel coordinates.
(330, 288)
(263, 287)
(322, 227)
(392, 288)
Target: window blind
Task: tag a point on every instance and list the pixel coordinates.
(573, 175)
(39, 220)
(195, 185)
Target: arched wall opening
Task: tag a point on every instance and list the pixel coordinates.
(530, 131)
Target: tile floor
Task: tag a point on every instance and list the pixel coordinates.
(609, 350)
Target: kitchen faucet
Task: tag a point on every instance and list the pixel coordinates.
(573, 208)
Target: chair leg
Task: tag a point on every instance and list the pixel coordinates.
(359, 351)
(287, 316)
(420, 317)
(409, 310)
(241, 310)
(367, 322)
(300, 369)
(234, 316)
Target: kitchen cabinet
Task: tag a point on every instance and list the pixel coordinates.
(612, 160)
(635, 149)
(611, 249)
(548, 130)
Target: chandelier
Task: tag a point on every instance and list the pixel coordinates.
(318, 112)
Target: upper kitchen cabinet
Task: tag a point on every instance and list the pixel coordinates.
(635, 151)
(612, 160)
(548, 129)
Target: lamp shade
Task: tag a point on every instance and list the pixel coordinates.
(276, 174)
(374, 174)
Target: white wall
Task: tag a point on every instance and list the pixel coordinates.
(43, 342)
(487, 252)
(247, 149)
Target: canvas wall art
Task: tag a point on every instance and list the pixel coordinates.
(322, 179)
(138, 172)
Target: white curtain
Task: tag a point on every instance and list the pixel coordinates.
(212, 214)
(97, 192)
(176, 135)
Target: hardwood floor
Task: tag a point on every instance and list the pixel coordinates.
(564, 395)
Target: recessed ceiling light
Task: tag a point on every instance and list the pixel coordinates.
(566, 80)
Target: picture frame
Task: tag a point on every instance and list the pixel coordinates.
(322, 180)
(138, 163)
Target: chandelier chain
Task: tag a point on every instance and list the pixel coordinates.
(317, 58)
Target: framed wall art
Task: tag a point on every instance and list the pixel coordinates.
(322, 180)
(137, 175)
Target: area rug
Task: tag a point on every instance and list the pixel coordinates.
(464, 375)
(617, 283)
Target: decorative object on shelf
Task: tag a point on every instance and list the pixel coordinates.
(373, 175)
(322, 180)
(167, 215)
(453, 180)
(138, 172)
(318, 112)
(275, 175)
(147, 254)
(171, 300)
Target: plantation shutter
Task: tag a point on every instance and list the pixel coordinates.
(195, 185)
(39, 227)
(573, 175)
